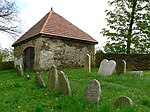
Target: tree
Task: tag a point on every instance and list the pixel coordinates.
(6, 55)
(128, 26)
(8, 17)
(6, 59)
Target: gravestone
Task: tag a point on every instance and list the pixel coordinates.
(125, 67)
(39, 80)
(120, 67)
(64, 83)
(87, 63)
(137, 73)
(92, 92)
(110, 67)
(19, 70)
(102, 68)
(123, 100)
(52, 78)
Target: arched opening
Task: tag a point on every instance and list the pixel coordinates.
(29, 58)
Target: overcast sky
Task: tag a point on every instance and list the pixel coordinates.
(88, 15)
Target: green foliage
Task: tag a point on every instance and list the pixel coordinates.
(6, 59)
(18, 94)
(7, 65)
(1, 56)
(128, 28)
(146, 102)
(99, 56)
(7, 54)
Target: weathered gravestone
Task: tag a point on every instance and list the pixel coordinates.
(52, 78)
(122, 101)
(120, 67)
(19, 70)
(110, 68)
(102, 68)
(87, 63)
(137, 73)
(64, 83)
(39, 80)
(92, 92)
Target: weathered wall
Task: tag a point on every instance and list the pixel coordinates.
(63, 53)
(134, 61)
(19, 52)
(48, 51)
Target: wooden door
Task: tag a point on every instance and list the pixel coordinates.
(29, 58)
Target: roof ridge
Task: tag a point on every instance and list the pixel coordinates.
(49, 15)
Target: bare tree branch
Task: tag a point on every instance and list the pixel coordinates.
(8, 18)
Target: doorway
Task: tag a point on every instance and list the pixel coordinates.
(29, 58)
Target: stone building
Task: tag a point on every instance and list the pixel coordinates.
(53, 40)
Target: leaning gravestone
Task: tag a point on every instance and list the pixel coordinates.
(102, 68)
(64, 83)
(120, 67)
(19, 70)
(123, 100)
(92, 92)
(39, 80)
(87, 63)
(52, 78)
(110, 67)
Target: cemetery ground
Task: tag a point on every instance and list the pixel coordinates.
(19, 94)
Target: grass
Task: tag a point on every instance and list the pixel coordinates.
(18, 94)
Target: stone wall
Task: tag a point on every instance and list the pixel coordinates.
(63, 53)
(19, 52)
(134, 61)
(48, 51)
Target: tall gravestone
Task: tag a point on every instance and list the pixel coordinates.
(125, 66)
(39, 79)
(120, 67)
(110, 67)
(52, 78)
(92, 92)
(122, 101)
(87, 63)
(102, 68)
(19, 70)
(64, 83)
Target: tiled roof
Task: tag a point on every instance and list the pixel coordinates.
(55, 25)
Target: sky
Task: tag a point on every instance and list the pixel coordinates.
(88, 15)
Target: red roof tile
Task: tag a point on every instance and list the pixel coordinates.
(56, 25)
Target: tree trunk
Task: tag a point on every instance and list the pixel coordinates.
(130, 27)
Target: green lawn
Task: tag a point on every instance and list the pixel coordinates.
(18, 94)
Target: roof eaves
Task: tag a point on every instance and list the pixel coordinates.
(66, 38)
(28, 39)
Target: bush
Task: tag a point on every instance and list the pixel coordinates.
(7, 65)
(98, 58)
